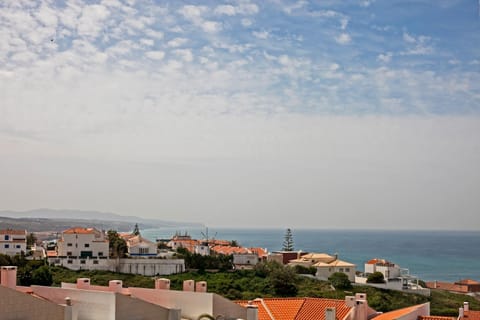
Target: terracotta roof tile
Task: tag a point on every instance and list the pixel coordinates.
(471, 315)
(12, 231)
(396, 314)
(297, 308)
(435, 318)
(80, 230)
(447, 286)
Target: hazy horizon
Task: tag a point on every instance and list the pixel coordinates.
(358, 114)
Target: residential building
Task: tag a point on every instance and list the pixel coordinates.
(326, 265)
(138, 246)
(389, 269)
(83, 243)
(13, 242)
(325, 270)
(463, 286)
(82, 300)
(352, 308)
(410, 313)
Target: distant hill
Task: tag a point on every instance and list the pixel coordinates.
(43, 219)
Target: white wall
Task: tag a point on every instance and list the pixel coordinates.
(324, 272)
(76, 243)
(151, 267)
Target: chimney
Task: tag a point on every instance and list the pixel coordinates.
(115, 285)
(162, 283)
(189, 285)
(466, 306)
(68, 315)
(83, 283)
(201, 286)
(252, 311)
(350, 301)
(9, 276)
(460, 313)
(330, 314)
(361, 296)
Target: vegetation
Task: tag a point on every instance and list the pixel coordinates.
(118, 246)
(288, 241)
(268, 279)
(305, 270)
(136, 230)
(376, 277)
(31, 239)
(340, 281)
(201, 263)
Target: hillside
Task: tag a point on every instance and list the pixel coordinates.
(53, 219)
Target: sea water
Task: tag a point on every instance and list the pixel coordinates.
(430, 255)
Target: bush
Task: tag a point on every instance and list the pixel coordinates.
(305, 270)
(376, 277)
(340, 281)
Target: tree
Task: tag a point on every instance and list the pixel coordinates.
(118, 246)
(283, 281)
(376, 277)
(42, 276)
(31, 239)
(136, 230)
(288, 241)
(340, 281)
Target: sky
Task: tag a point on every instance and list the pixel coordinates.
(272, 113)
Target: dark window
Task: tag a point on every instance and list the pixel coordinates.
(87, 245)
(18, 246)
(347, 269)
(95, 261)
(82, 261)
(7, 237)
(69, 253)
(100, 254)
(7, 246)
(69, 244)
(69, 261)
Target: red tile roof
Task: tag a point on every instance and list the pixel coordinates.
(447, 286)
(467, 281)
(79, 230)
(11, 231)
(396, 314)
(471, 315)
(297, 308)
(436, 318)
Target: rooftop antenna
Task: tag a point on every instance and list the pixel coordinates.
(205, 235)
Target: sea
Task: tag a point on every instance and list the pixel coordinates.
(429, 255)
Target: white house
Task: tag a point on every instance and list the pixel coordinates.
(82, 248)
(325, 270)
(140, 247)
(389, 269)
(13, 242)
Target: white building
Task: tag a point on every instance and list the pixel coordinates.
(139, 247)
(325, 270)
(83, 243)
(13, 242)
(389, 269)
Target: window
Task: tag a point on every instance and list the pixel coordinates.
(7, 246)
(7, 237)
(69, 261)
(100, 254)
(341, 269)
(95, 261)
(347, 269)
(69, 253)
(87, 245)
(18, 246)
(143, 250)
(329, 269)
(82, 261)
(69, 244)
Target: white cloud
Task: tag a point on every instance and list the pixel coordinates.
(261, 34)
(289, 9)
(177, 42)
(155, 55)
(47, 16)
(246, 22)
(147, 42)
(385, 57)
(91, 22)
(420, 45)
(228, 10)
(184, 54)
(211, 26)
(343, 38)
